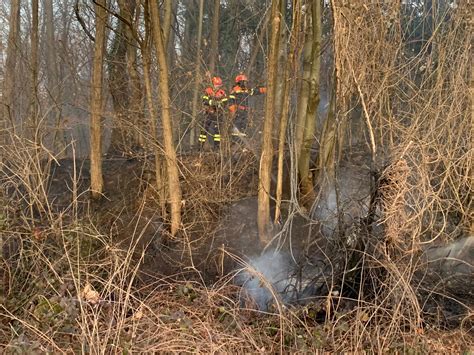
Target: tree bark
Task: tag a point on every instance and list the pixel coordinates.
(119, 88)
(307, 190)
(197, 77)
(136, 93)
(170, 153)
(146, 55)
(303, 95)
(34, 70)
(263, 218)
(282, 60)
(167, 21)
(13, 43)
(213, 51)
(289, 82)
(54, 89)
(97, 181)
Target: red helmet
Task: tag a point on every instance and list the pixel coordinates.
(216, 81)
(241, 77)
(219, 94)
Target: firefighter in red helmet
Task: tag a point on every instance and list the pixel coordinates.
(214, 100)
(239, 103)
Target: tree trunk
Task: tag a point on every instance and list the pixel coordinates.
(119, 89)
(34, 70)
(146, 55)
(97, 181)
(171, 162)
(167, 21)
(197, 77)
(136, 93)
(13, 43)
(282, 59)
(170, 47)
(289, 77)
(307, 190)
(54, 89)
(213, 51)
(303, 95)
(327, 145)
(267, 144)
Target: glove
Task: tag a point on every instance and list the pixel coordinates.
(232, 108)
(262, 90)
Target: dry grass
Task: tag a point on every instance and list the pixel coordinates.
(69, 286)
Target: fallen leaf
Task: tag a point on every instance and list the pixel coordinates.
(90, 295)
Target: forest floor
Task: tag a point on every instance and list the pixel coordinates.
(104, 276)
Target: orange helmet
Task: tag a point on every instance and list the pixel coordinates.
(241, 77)
(216, 81)
(219, 94)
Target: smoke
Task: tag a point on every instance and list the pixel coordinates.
(274, 276)
(353, 185)
(264, 274)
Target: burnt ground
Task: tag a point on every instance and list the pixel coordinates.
(217, 192)
(219, 211)
(219, 215)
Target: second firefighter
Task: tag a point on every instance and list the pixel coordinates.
(214, 101)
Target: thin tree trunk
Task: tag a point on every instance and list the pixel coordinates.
(119, 88)
(326, 157)
(146, 55)
(306, 183)
(282, 59)
(288, 77)
(168, 4)
(170, 47)
(34, 69)
(97, 181)
(171, 162)
(53, 77)
(197, 76)
(13, 43)
(263, 218)
(136, 92)
(303, 95)
(213, 51)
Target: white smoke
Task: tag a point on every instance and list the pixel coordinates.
(269, 276)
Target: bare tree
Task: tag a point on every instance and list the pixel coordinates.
(306, 180)
(157, 147)
(197, 76)
(170, 153)
(34, 67)
(267, 144)
(118, 79)
(289, 80)
(8, 109)
(54, 89)
(97, 181)
(168, 14)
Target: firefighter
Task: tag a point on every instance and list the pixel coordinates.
(214, 101)
(239, 103)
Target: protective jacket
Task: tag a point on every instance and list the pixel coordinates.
(239, 97)
(214, 101)
(239, 107)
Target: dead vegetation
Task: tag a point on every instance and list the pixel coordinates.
(107, 277)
